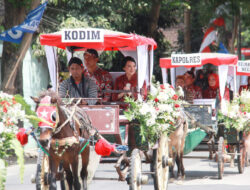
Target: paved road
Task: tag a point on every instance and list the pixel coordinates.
(200, 174)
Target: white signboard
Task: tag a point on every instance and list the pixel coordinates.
(243, 66)
(83, 35)
(186, 59)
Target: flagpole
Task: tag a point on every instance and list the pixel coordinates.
(24, 47)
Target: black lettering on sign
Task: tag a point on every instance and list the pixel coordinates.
(74, 35)
(88, 35)
(67, 35)
(96, 35)
(82, 35)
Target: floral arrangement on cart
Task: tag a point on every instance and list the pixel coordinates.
(13, 111)
(158, 114)
(236, 114)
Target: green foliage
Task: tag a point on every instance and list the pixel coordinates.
(5, 144)
(26, 107)
(18, 3)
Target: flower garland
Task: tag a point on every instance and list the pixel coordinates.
(237, 113)
(11, 113)
(158, 114)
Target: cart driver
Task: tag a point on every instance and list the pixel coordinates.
(190, 90)
(78, 85)
(103, 78)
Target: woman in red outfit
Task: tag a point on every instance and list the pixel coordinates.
(213, 86)
(128, 81)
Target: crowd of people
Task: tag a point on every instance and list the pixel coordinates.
(94, 82)
(198, 87)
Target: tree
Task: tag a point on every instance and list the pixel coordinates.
(15, 12)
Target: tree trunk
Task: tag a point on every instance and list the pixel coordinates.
(154, 17)
(187, 38)
(234, 34)
(13, 52)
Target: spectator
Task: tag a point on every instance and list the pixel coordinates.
(180, 81)
(190, 90)
(213, 87)
(103, 78)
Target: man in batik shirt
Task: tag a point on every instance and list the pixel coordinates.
(103, 78)
(191, 91)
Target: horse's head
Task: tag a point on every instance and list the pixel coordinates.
(46, 109)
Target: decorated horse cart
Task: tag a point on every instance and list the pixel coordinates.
(104, 120)
(205, 111)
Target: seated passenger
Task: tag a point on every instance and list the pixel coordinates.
(78, 85)
(213, 87)
(103, 78)
(180, 81)
(191, 91)
(128, 81)
(245, 87)
(201, 79)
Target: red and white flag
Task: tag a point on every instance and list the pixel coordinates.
(210, 35)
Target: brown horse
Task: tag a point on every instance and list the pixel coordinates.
(60, 135)
(176, 146)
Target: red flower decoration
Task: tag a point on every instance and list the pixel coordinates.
(22, 136)
(156, 108)
(171, 87)
(156, 100)
(176, 105)
(5, 110)
(175, 97)
(162, 86)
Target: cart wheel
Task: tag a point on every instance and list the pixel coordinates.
(221, 152)
(241, 158)
(135, 170)
(161, 164)
(42, 175)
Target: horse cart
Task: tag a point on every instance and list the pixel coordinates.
(106, 118)
(204, 111)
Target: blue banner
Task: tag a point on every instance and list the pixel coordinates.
(30, 25)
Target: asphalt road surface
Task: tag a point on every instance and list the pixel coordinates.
(201, 174)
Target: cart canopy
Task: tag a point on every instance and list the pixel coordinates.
(89, 38)
(197, 60)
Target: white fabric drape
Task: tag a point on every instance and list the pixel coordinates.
(222, 71)
(151, 62)
(164, 75)
(51, 60)
(142, 55)
(172, 73)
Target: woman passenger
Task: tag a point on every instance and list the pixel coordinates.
(128, 81)
(180, 81)
(213, 86)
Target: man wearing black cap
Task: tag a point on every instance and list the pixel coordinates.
(78, 85)
(103, 78)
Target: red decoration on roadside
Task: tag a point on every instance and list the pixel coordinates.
(103, 148)
(175, 97)
(22, 136)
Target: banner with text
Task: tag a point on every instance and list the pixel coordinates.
(243, 67)
(83, 35)
(30, 25)
(193, 59)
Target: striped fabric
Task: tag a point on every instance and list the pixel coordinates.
(87, 90)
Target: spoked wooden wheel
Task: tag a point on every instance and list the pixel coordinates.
(221, 153)
(241, 158)
(161, 164)
(135, 171)
(42, 176)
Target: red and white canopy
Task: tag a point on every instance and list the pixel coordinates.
(198, 59)
(112, 41)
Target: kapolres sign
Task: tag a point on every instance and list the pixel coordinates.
(83, 35)
(186, 59)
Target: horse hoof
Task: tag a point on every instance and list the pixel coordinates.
(171, 180)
